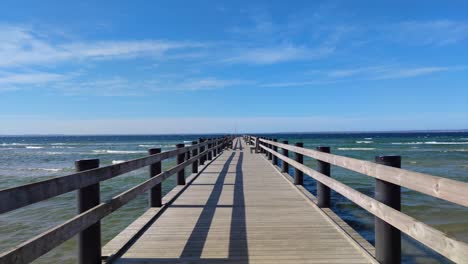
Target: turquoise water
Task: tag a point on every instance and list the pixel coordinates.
(29, 159)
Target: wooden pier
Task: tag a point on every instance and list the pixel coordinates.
(239, 205)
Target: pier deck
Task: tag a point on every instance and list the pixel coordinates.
(239, 209)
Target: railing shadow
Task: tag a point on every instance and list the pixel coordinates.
(238, 245)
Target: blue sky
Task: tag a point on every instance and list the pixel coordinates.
(143, 67)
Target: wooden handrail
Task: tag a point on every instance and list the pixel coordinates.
(449, 247)
(20, 196)
(41, 244)
(442, 188)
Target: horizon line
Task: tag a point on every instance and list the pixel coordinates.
(253, 133)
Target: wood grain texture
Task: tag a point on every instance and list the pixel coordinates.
(449, 247)
(443, 188)
(41, 244)
(239, 210)
(17, 197)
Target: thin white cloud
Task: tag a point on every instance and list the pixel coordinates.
(198, 84)
(30, 78)
(278, 54)
(435, 32)
(389, 72)
(18, 81)
(119, 86)
(20, 46)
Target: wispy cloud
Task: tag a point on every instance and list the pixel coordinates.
(197, 84)
(435, 32)
(389, 72)
(278, 54)
(120, 86)
(17, 81)
(21, 46)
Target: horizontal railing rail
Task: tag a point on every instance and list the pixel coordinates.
(446, 189)
(443, 188)
(46, 241)
(20, 196)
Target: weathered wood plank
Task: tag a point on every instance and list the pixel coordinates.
(17, 197)
(451, 248)
(240, 211)
(41, 244)
(443, 188)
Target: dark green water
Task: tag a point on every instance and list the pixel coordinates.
(29, 159)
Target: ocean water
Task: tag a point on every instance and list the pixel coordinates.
(26, 159)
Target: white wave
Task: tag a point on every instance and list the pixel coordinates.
(106, 151)
(44, 169)
(188, 141)
(445, 143)
(356, 148)
(54, 153)
(62, 147)
(34, 147)
(158, 146)
(364, 142)
(16, 144)
(367, 138)
(117, 161)
(146, 146)
(431, 143)
(407, 143)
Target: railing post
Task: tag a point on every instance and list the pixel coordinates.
(298, 174)
(89, 240)
(201, 149)
(181, 159)
(257, 145)
(215, 144)
(195, 153)
(270, 156)
(323, 192)
(209, 150)
(275, 158)
(285, 167)
(387, 237)
(155, 193)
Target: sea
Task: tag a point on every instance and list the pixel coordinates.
(27, 159)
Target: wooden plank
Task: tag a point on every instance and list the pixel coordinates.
(442, 188)
(20, 196)
(41, 244)
(123, 239)
(449, 247)
(240, 211)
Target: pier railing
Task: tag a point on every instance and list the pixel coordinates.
(385, 206)
(91, 210)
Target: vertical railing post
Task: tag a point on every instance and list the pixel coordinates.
(201, 149)
(89, 240)
(155, 193)
(257, 145)
(387, 237)
(181, 159)
(323, 192)
(298, 174)
(209, 150)
(215, 144)
(275, 158)
(195, 153)
(270, 156)
(285, 167)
